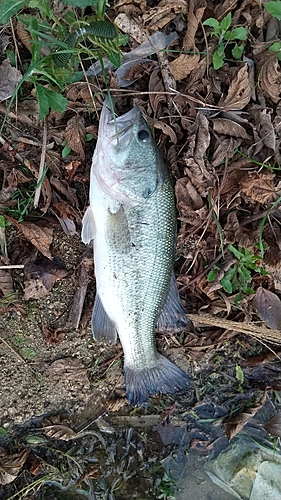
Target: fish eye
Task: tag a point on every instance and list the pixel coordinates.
(143, 135)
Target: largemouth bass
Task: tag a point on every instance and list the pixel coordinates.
(131, 220)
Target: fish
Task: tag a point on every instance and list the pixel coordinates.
(131, 220)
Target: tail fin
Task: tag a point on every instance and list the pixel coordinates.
(163, 377)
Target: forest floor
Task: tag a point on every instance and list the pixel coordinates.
(212, 99)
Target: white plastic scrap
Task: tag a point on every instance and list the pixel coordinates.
(154, 43)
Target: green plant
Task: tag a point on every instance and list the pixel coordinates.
(225, 36)
(274, 8)
(239, 276)
(46, 29)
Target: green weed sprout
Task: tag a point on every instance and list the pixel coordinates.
(239, 276)
(226, 35)
(274, 8)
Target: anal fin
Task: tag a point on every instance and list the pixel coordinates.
(173, 317)
(103, 328)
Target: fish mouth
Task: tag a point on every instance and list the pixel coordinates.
(118, 129)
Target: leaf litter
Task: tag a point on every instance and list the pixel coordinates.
(219, 131)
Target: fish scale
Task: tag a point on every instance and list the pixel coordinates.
(132, 221)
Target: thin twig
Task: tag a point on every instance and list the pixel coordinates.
(259, 332)
(13, 266)
(41, 166)
(18, 355)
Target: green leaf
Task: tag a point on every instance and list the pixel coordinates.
(49, 99)
(211, 276)
(239, 374)
(81, 3)
(57, 101)
(274, 8)
(239, 33)
(3, 431)
(9, 8)
(43, 101)
(226, 22)
(275, 47)
(237, 253)
(226, 284)
(213, 23)
(218, 59)
(65, 152)
(237, 51)
(88, 137)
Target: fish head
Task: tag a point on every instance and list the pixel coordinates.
(127, 162)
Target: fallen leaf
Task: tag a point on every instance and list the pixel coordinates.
(10, 465)
(233, 426)
(75, 135)
(67, 368)
(273, 426)
(259, 187)
(229, 127)
(9, 78)
(268, 307)
(166, 129)
(59, 431)
(183, 65)
(63, 188)
(156, 85)
(195, 158)
(85, 271)
(270, 77)
(40, 236)
(194, 18)
(157, 17)
(53, 336)
(239, 92)
(40, 276)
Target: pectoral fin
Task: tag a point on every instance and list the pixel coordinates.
(88, 226)
(173, 317)
(103, 328)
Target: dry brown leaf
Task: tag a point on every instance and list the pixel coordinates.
(9, 78)
(156, 85)
(197, 75)
(131, 26)
(41, 276)
(24, 35)
(63, 187)
(59, 431)
(134, 7)
(234, 233)
(268, 307)
(193, 19)
(182, 66)
(53, 336)
(46, 188)
(225, 147)
(84, 277)
(270, 77)
(266, 136)
(187, 195)
(166, 129)
(10, 465)
(223, 8)
(229, 127)
(156, 18)
(259, 187)
(273, 426)
(195, 158)
(75, 135)
(67, 368)
(239, 92)
(233, 426)
(40, 236)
